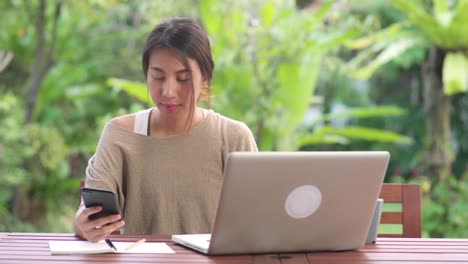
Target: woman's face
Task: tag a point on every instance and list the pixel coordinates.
(170, 82)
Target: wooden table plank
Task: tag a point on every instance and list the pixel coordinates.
(420, 240)
(122, 258)
(266, 259)
(380, 262)
(299, 258)
(396, 257)
(33, 248)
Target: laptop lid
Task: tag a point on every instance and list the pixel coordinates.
(294, 201)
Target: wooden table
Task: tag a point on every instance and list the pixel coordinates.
(33, 248)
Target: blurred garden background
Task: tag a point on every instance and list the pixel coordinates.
(304, 75)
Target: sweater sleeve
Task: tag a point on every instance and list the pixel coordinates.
(247, 142)
(104, 170)
(241, 138)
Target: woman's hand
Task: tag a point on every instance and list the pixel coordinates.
(97, 229)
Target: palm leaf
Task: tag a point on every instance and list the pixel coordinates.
(363, 112)
(135, 89)
(322, 139)
(323, 10)
(363, 133)
(421, 19)
(458, 28)
(442, 12)
(455, 73)
(369, 40)
(447, 29)
(297, 83)
(388, 54)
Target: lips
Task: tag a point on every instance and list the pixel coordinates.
(170, 107)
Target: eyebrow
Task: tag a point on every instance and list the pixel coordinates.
(161, 70)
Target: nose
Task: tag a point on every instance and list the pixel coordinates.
(169, 89)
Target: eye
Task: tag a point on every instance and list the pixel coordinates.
(183, 79)
(157, 78)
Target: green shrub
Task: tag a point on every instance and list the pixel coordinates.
(34, 173)
(444, 206)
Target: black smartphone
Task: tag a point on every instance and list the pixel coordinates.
(98, 197)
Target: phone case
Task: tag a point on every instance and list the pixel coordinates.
(99, 197)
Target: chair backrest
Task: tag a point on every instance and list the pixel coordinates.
(82, 184)
(409, 217)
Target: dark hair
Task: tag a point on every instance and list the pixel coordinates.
(188, 39)
(185, 36)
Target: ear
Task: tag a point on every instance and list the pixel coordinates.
(205, 91)
(205, 84)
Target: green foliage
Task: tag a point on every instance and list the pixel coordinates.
(32, 161)
(445, 209)
(11, 135)
(262, 77)
(454, 73)
(135, 89)
(363, 112)
(388, 49)
(41, 163)
(321, 133)
(362, 133)
(444, 205)
(445, 28)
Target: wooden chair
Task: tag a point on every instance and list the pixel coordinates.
(409, 196)
(82, 184)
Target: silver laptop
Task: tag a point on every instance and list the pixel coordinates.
(293, 202)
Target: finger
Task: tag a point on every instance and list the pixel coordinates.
(112, 227)
(102, 221)
(99, 223)
(100, 233)
(91, 210)
(83, 218)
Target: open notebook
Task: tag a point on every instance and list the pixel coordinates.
(86, 247)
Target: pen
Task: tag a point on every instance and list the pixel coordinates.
(139, 242)
(109, 242)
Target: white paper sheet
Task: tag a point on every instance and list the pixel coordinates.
(86, 247)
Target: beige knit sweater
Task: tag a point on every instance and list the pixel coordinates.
(167, 185)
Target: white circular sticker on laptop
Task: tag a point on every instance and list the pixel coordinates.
(303, 201)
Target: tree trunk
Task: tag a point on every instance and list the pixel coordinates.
(43, 62)
(436, 106)
(43, 59)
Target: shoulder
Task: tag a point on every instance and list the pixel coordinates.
(136, 123)
(226, 122)
(235, 134)
(230, 127)
(124, 121)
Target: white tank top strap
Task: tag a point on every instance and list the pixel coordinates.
(141, 122)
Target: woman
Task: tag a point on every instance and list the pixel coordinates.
(165, 163)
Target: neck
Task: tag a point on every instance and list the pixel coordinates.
(165, 125)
